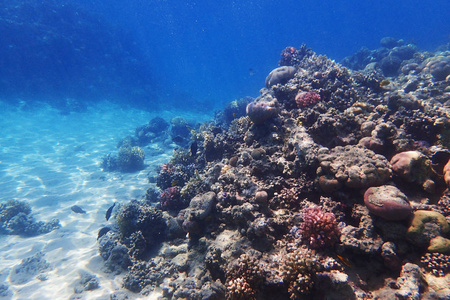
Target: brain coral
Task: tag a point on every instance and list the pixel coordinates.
(351, 166)
(280, 75)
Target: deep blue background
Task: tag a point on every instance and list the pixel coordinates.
(200, 52)
(204, 49)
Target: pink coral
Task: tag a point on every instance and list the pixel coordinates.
(319, 228)
(304, 99)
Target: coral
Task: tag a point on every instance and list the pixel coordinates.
(446, 172)
(286, 56)
(387, 202)
(438, 66)
(353, 167)
(130, 159)
(30, 267)
(298, 273)
(292, 57)
(15, 218)
(180, 132)
(436, 263)
(170, 199)
(135, 216)
(155, 128)
(319, 229)
(304, 99)
(234, 110)
(412, 166)
(262, 109)
(427, 226)
(170, 175)
(244, 278)
(280, 75)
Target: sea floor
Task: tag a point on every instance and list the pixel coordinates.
(52, 161)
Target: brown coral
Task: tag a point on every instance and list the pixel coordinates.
(299, 271)
(351, 166)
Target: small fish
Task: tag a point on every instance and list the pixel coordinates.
(174, 183)
(234, 115)
(251, 72)
(344, 260)
(385, 82)
(102, 232)
(77, 209)
(109, 211)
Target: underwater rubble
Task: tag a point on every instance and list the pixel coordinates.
(332, 184)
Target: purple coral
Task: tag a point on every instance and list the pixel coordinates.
(318, 228)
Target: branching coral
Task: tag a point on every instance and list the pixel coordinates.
(243, 278)
(437, 263)
(299, 272)
(318, 228)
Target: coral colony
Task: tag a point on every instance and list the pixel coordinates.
(332, 184)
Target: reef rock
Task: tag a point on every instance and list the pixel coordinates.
(387, 202)
(280, 75)
(200, 207)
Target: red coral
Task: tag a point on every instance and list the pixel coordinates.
(170, 199)
(304, 99)
(319, 228)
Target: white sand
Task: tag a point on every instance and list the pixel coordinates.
(52, 161)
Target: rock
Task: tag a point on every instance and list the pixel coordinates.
(280, 75)
(199, 208)
(410, 282)
(387, 202)
(439, 244)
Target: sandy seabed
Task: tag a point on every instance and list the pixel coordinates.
(52, 162)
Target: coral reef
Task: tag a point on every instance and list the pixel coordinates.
(333, 186)
(15, 218)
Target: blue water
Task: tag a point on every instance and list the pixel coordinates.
(197, 54)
